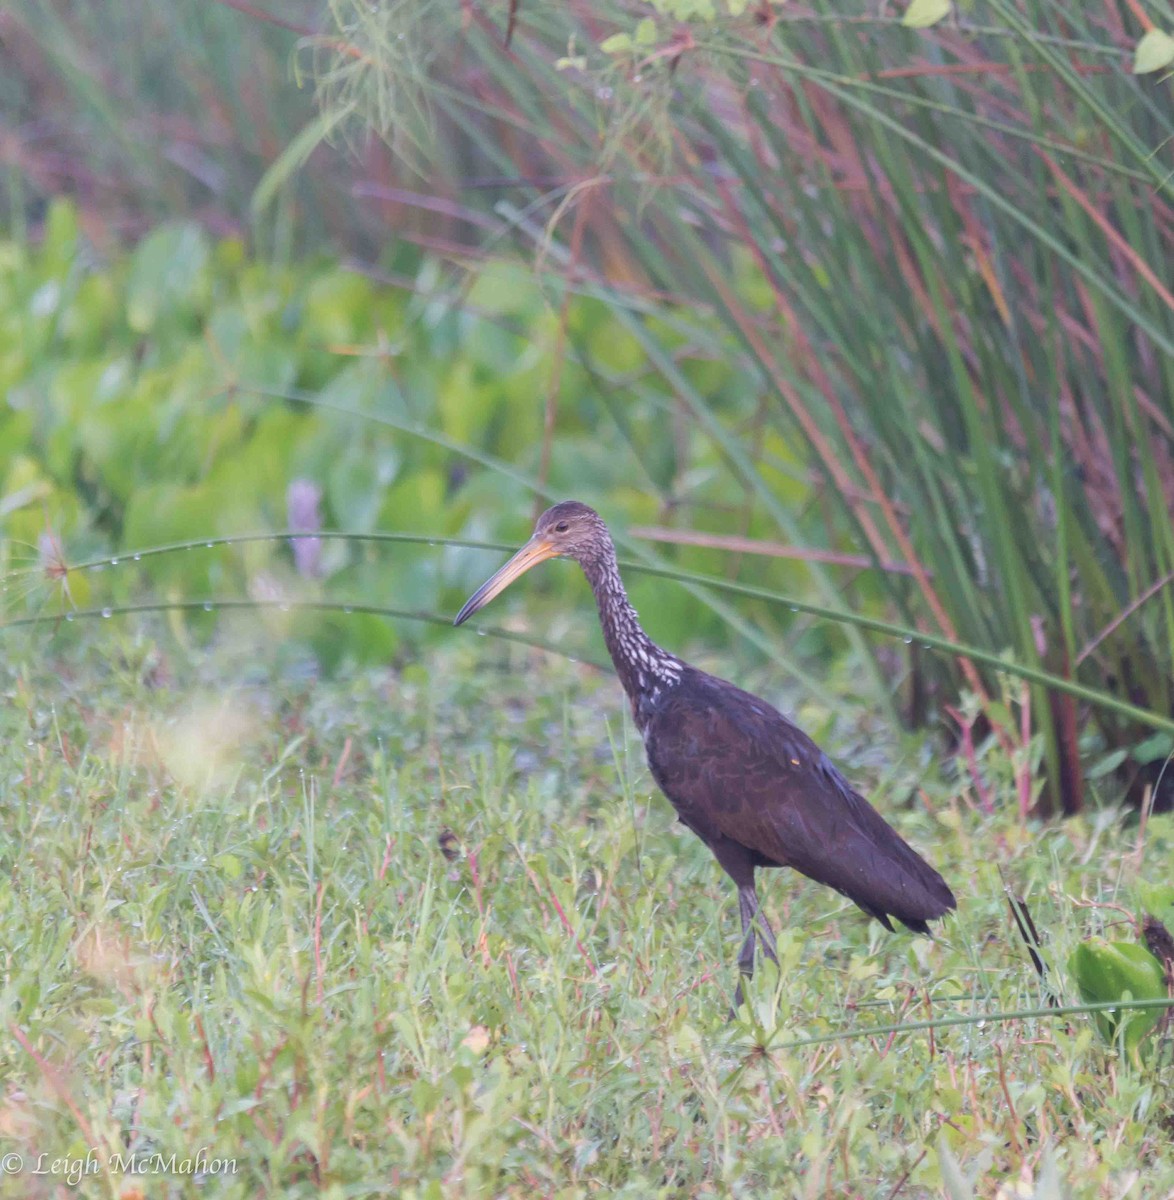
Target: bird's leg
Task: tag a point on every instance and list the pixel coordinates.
(747, 907)
(768, 938)
(747, 910)
(751, 914)
(752, 917)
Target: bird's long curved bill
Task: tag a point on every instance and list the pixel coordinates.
(536, 550)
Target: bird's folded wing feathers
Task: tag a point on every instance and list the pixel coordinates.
(762, 782)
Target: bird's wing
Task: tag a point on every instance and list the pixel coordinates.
(738, 767)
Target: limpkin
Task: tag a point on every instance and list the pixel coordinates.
(747, 781)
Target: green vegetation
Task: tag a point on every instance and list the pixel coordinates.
(825, 280)
(175, 397)
(230, 922)
(853, 322)
(933, 255)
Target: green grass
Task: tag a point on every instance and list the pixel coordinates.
(229, 924)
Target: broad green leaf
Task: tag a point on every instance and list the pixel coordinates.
(357, 483)
(921, 14)
(1155, 748)
(1154, 51)
(1158, 900)
(168, 275)
(686, 10)
(1108, 764)
(163, 512)
(1106, 971)
(337, 309)
(230, 865)
(361, 636)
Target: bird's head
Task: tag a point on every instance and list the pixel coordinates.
(566, 530)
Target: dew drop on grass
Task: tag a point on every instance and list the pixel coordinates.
(482, 633)
(207, 606)
(908, 641)
(114, 562)
(210, 545)
(69, 616)
(138, 558)
(107, 612)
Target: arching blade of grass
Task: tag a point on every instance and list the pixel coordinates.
(233, 604)
(135, 554)
(1020, 670)
(906, 634)
(899, 1028)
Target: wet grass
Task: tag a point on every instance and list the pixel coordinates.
(430, 932)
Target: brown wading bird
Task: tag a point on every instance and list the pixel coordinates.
(753, 786)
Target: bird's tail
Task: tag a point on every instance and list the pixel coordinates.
(899, 882)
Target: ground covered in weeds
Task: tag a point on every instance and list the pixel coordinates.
(432, 929)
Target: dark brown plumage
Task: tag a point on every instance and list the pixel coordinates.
(752, 785)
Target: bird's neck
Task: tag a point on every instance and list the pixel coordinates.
(645, 670)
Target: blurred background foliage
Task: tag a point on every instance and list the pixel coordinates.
(880, 314)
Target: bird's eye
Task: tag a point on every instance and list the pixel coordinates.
(561, 527)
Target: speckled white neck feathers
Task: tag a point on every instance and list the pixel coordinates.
(644, 668)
